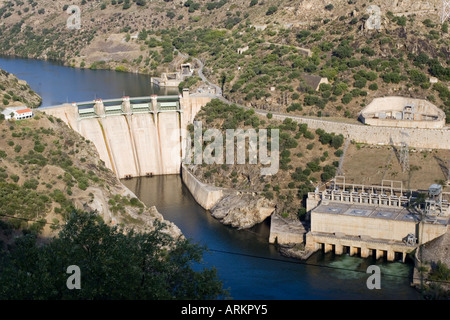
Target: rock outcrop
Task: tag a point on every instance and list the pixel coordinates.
(242, 211)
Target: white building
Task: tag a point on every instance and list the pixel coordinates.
(17, 113)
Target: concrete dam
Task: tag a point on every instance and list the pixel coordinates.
(140, 136)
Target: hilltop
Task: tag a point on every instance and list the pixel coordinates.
(360, 63)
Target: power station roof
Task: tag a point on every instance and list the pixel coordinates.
(373, 211)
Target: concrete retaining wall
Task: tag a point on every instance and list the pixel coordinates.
(205, 195)
(418, 138)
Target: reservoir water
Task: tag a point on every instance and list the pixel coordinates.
(247, 264)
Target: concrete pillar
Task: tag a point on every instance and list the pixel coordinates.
(126, 105)
(390, 255)
(378, 254)
(353, 251)
(327, 247)
(364, 252)
(99, 108)
(310, 244)
(155, 103)
(338, 249)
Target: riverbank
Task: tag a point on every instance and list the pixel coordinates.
(245, 210)
(238, 209)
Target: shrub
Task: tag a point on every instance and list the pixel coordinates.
(31, 184)
(339, 153)
(271, 10)
(347, 98)
(373, 86)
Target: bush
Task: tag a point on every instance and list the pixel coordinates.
(347, 98)
(339, 153)
(38, 147)
(373, 86)
(269, 195)
(360, 83)
(31, 184)
(271, 10)
(337, 141)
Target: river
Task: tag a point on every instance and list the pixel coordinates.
(247, 264)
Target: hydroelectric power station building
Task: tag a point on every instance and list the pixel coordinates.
(381, 221)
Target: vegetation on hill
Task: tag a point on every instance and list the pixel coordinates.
(16, 92)
(112, 265)
(307, 158)
(360, 64)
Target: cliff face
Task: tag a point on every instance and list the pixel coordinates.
(437, 250)
(16, 92)
(243, 211)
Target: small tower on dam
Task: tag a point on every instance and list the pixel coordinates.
(99, 108)
(154, 103)
(126, 105)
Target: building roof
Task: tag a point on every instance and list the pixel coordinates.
(312, 80)
(373, 211)
(24, 111)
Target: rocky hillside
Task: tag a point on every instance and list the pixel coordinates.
(47, 170)
(16, 92)
(410, 47)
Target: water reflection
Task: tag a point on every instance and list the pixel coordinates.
(57, 84)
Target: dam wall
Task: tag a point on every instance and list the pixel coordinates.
(93, 131)
(147, 143)
(134, 137)
(118, 137)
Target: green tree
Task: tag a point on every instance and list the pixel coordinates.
(113, 265)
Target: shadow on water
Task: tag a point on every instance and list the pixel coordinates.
(254, 269)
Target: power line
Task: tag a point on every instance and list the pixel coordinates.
(310, 264)
(25, 219)
(264, 258)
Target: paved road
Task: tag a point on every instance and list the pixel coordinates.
(202, 76)
(219, 95)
